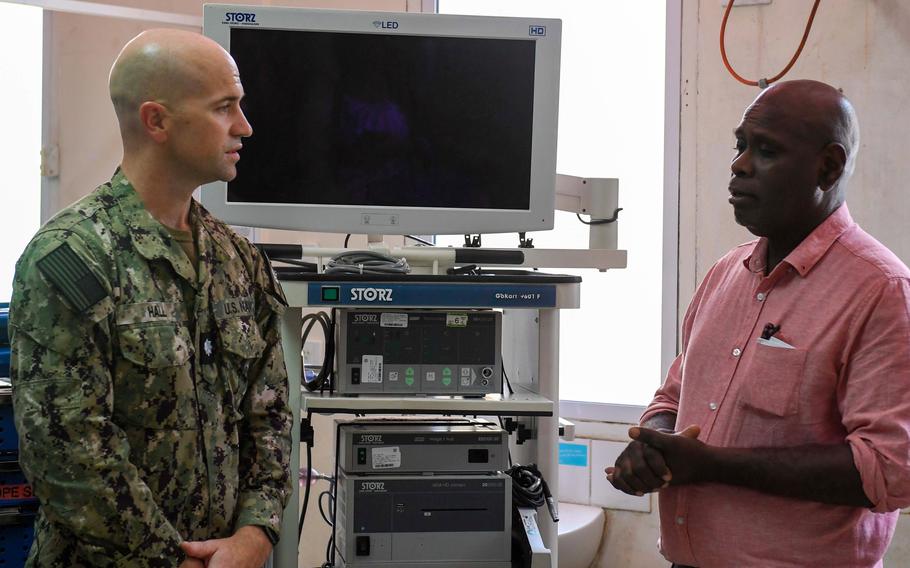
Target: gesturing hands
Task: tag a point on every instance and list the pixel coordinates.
(654, 459)
(249, 547)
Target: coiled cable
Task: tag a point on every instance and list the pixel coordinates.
(530, 489)
(366, 262)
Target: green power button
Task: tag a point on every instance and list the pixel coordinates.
(330, 293)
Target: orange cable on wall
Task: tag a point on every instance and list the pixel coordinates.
(763, 82)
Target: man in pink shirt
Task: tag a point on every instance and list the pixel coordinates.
(781, 436)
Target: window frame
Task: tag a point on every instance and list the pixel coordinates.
(625, 413)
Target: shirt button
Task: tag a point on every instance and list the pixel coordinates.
(712, 405)
(760, 296)
(737, 352)
(680, 520)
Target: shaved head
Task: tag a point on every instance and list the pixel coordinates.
(816, 112)
(165, 66)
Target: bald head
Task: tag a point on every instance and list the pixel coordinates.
(816, 112)
(164, 66)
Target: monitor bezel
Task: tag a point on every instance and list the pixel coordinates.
(218, 19)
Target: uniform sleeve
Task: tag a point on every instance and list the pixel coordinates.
(874, 397)
(265, 445)
(76, 458)
(666, 399)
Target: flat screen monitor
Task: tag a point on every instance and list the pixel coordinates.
(391, 123)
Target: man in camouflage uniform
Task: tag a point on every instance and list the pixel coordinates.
(149, 384)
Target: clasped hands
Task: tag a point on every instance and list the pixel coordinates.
(655, 459)
(249, 547)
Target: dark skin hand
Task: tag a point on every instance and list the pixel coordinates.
(640, 468)
(824, 474)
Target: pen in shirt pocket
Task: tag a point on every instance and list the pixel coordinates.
(769, 337)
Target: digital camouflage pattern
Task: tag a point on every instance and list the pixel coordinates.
(144, 421)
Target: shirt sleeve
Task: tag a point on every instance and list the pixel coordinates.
(74, 455)
(265, 445)
(874, 396)
(666, 399)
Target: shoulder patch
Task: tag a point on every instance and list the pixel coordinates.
(69, 273)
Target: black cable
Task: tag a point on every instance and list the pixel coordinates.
(297, 262)
(306, 491)
(322, 512)
(419, 240)
(346, 239)
(601, 221)
(530, 489)
(506, 377)
(330, 353)
(328, 360)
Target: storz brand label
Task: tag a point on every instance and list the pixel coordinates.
(385, 24)
(240, 18)
(371, 438)
(372, 486)
(366, 318)
(537, 30)
(371, 294)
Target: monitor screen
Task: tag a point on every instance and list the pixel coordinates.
(408, 123)
(385, 120)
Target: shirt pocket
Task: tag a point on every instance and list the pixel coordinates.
(242, 342)
(773, 379)
(154, 381)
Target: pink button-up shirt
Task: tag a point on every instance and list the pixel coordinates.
(842, 301)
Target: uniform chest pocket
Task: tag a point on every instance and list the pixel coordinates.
(155, 346)
(774, 377)
(242, 342)
(154, 384)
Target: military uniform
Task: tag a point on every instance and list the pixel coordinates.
(150, 395)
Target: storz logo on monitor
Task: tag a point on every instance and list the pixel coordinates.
(371, 294)
(239, 18)
(537, 30)
(385, 25)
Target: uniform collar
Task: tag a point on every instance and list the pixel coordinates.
(210, 228)
(807, 254)
(150, 238)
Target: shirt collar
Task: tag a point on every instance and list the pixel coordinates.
(807, 254)
(150, 238)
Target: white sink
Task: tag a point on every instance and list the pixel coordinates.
(580, 531)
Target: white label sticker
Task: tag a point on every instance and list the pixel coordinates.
(371, 369)
(456, 320)
(390, 319)
(386, 458)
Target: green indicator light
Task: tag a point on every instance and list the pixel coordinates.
(409, 380)
(446, 380)
(446, 372)
(409, 371)
(330, 294)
